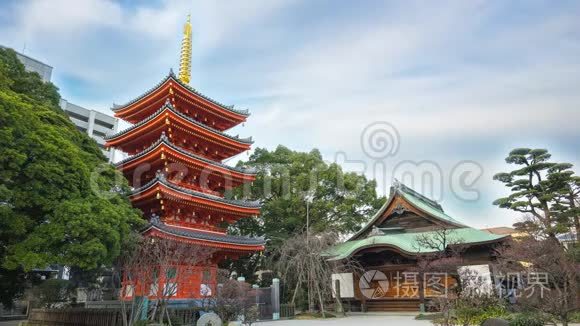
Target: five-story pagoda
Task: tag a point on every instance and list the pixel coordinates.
(176, 145)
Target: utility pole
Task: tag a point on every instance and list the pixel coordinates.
(307, 224)
(308, 198)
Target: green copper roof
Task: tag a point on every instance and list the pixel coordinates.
(426, 205)
(422, 203)
(407, 242)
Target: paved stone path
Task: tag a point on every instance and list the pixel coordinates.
(10, 323)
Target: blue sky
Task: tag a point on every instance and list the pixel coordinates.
(459, 80)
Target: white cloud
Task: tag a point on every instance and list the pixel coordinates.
(339, 83)
(107, 45)
(446, 74)
(61, 17)
(219, 23)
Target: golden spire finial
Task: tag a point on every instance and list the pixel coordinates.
(185, 62)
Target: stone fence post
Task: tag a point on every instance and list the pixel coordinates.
(275, 299)
(338, 304)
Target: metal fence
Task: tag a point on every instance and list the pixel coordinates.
(114, 317)
(109, 313)
(268, 302)
(287, 311)
(18, 309)
(95, 317)
(263, 302)
(75, 317)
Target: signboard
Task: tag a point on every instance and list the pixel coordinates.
(476, 279)
(346, 285)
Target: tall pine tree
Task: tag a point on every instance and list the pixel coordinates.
(543, 190)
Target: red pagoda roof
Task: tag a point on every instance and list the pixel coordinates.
(213, 239)
(134, 111)
(161, 185)
(156, 123)
(166, 146)
(179, 132)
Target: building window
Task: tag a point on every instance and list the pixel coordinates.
(155, 275)
(205, 290)
(104, 124)
(170, 289)
(129, 290)
(100, 134)
(171, 272)
(153, 289)
(206, 276)
(77, 116)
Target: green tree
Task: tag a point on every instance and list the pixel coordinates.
(569, 197)
(53, 293)
(340, 202)
(539, 188)
(60, 201)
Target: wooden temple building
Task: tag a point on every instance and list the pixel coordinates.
(390, 246)
(176, 146)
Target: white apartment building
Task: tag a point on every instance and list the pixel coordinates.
(33, 65)
(96, 124)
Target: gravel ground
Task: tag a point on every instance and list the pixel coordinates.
(358, 320)
(375, 319)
